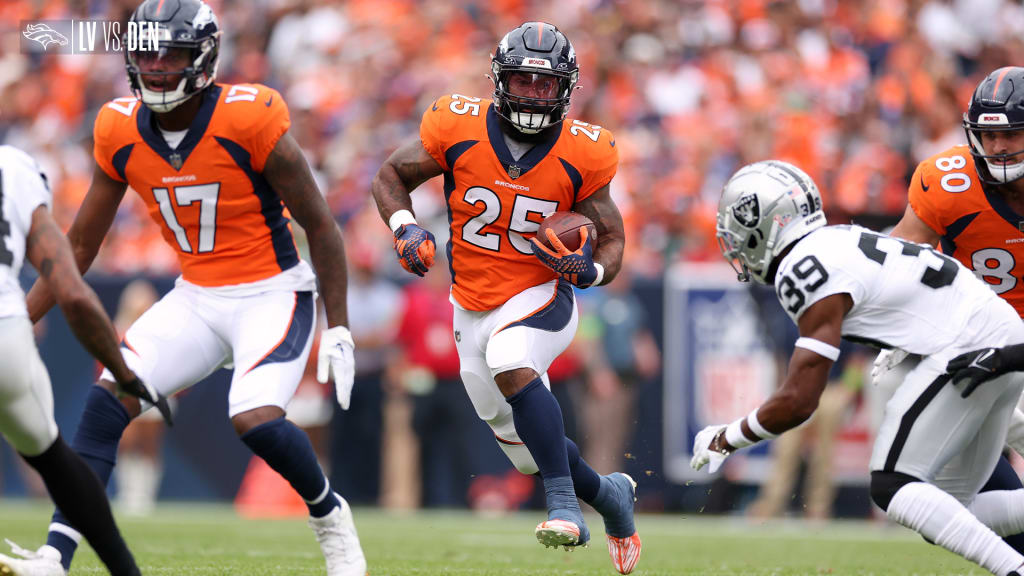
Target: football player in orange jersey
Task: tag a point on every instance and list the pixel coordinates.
(970, 201)
(216, 166)
(507, 164)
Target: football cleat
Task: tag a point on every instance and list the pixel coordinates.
(555, 533)
(44, 562)
(339, 541)
(624, 550)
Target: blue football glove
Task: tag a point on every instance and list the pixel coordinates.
(576, 267)
(415, 248)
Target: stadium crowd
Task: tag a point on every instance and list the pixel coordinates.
(855, 92)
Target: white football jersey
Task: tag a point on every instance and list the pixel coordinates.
(905, 295)
(22, 190)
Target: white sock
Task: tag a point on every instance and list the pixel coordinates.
(1000, 510)
(942, 519)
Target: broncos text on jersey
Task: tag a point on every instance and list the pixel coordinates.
(496, 203)
(207, 195)
(977, 227)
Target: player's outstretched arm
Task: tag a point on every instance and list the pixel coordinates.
(86, 235)
(611, 235)
(796, 400)
(49, 252)
(407, 167)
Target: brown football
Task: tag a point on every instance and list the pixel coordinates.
(566, 225)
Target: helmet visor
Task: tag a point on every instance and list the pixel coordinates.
(533, 86)
(161, 70)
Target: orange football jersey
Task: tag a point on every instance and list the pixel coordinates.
(208, 194)
(496, 203)
(977, 227)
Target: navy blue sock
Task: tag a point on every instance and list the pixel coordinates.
(286, 449)
(103, 421)
(614, 503)
(538, 421)
(1005, 478)
(586, 482)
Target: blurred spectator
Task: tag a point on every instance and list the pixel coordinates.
(429, 374)
(139, 456)
(622, 355)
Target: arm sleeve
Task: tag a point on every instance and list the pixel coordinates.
(924, 197)
(103, 148)
(269, 121)
(601, 166)
(431, 134)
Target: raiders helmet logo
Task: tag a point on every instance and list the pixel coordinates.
(747, 211)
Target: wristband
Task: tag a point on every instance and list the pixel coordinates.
(818, 347)
(600, 274)
(401, 218)
(756, 427)
(735, 437)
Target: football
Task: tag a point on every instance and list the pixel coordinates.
(566, 226)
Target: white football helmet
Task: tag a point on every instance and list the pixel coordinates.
(765, 207)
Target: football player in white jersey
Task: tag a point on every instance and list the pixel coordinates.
(935, 448)
(28, 231)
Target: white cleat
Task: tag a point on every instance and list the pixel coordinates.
(337, 536)
(44, 562)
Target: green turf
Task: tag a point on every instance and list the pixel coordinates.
(211, 540)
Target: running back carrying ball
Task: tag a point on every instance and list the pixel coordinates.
(566, 227)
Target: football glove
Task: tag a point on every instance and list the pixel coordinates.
(415, 248)
(886, 361)
(336, 356)
(136, 387)
(702, 452)
(977, 367)
(576, 267)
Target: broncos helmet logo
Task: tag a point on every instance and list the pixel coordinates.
(44, 35)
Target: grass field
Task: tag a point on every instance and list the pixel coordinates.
(211, 540)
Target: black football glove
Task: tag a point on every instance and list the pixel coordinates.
(136, 387)
(975, 368)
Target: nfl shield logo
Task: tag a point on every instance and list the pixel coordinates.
(514, 171)
(176, 161)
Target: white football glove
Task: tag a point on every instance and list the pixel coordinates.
(885, 361)
(336, 357)
(702, 454)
